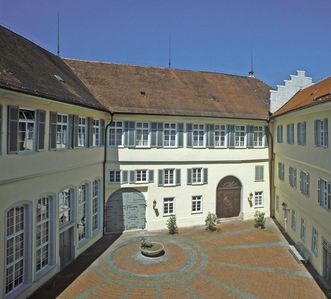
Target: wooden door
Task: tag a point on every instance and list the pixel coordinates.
(66, 241)
(228, 197)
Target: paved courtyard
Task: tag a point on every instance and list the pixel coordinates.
(238, 261)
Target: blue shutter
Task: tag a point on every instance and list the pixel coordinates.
(160, 177)
(102, 132)
(151, 176)
(189, 135)
(0, 129)
(52, 130)
(132, 176)
(231, 136)
(304, 138)
(153, 134)
(124, 176)
(319, 191)
(41, 119)
(250, 136)
(189, 176)
(131, 134)
(210, 135)
(178, 177)
(13, 112)
(89, 131)
(205, 175)
(75, 131)
(180, 130)
(316, 131)
(159, 134)
(326, 129)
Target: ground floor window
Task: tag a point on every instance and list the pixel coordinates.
(314, 240)
(168, 206)
(82, 212)
(65, 206)
(15, 248)
(115, 176)
(258, 199)
(95, 204)
(197, 204)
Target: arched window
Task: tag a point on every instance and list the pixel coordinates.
(96, 194)
(15, 247)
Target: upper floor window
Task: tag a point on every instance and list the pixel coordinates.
(301, 132)
(65, 206)
(220, 136)
(82, 132)
(281, 171)
(324, 193)
(292, 176)
(116, 133)
(168, 206)
(142, 134)
(96, 132)
(240, 136)
(169, 134)
(142, 176)
(15, 248)
(259, 173)
(115, 176)
(258, 136)
(321, 133)
(198, 135)
(196, 176)
(169, 177)
(280, 134)
(82, 211)
(290, 133)
(62, 131)
(258, 199)
(26, 130)
(304, 183)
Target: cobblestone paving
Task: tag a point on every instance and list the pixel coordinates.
(238, 261)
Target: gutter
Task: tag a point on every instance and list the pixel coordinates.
(104, 171)
(271, 171)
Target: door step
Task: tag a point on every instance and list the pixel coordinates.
(230, 219)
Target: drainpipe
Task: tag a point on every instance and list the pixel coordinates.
(104, 171)
(271, 172)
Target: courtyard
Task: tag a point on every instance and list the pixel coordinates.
(237, 261)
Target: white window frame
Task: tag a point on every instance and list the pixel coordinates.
(169, 177)
(96, 132)
(195, 176)
(170, 130)
(168, 205)
(292, 177)
(258, 199)
(62, 136)
(303, 230)
(143, 130)
(324, 193)
(96, 195)
(26, 131)
(116, 175)
(43, 249)
(115, 134)
(198, 132)
(293, 220)
(196, 202)
(16, 262)
(82, 212)
(66, 197)
(314, 241)
(140, 175)
(258, 136)
(304, 184)
(220, 136)
(321, 132)
(240, 138)
(82, 131)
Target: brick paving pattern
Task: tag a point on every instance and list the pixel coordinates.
(238, 261)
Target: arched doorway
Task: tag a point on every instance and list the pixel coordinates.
(228, 197)
(125, 210)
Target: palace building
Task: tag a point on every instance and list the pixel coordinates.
(88, 148)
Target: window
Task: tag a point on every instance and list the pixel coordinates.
(82, 132)
(115, 176)
(197, 176)
(82, 212)
(258, 199)
(293, 220)
(240, 136)
(96, 133)
(258, 136)
(314, 240)
(196, 204)
(142, 134)
(42, 233)
(198, 135)
(292, 176)
(304, 183)
(115, 133)
(220, 136)
(169, 177)
(281, 171)
(303, 230)
(62, 129)
(324, 193)
(95, 204)
(15, 248)
(277, 203)
(26, 130)
(65, 206)
(280, 134)
(321, 133)
(168, 206)
(259, 173)
(301, 132)
(141, 176)
(290, 133)
(169, 134)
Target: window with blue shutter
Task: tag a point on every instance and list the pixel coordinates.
(189, 135)
(178, 177)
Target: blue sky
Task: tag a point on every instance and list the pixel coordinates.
(210, 35)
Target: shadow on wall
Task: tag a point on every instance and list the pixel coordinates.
(56, 285)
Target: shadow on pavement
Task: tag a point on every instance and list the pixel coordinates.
(57, 284)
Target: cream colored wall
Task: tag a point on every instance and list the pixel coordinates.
(315, 161)
(28, 176)
(220, 163)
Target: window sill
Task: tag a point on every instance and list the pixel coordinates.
(259, 181)
(258, 207)
(197, 213)
(168, 215)
(41, 273)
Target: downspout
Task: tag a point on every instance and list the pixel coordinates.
(271, 172)
(104, 171)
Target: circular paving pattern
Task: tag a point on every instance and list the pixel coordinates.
(128, 266)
